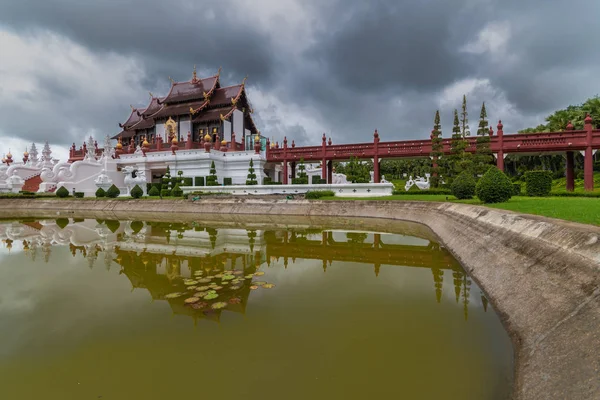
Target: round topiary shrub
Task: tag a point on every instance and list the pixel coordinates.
(538, 183)
(177, 192)
(154, 191)
(113, 192)
(137, 192)
(62, 192)
(463, 187)
(165, 192)
(100, 192)
(494, 187)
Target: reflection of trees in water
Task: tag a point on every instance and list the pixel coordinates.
(357, 237)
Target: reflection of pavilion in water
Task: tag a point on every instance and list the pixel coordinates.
(158, 256)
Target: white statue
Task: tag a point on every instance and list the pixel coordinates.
(383, 180)
(134, 177)
(46, 161)
(422, 183)
(138, 150)
(339, 178)
(108, 151)
(33, 155)
(91, 150)
(15, 182)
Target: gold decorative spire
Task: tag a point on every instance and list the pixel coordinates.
(207, 137)
(222, 117)
(26, 153)
(145, 143)
(151, 95)
(244, 81)
(192, 111)
(132, 107)
(172, 81)
(119, 143)
(219, 72)
(194, 75)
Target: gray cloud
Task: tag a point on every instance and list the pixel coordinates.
(340, 67)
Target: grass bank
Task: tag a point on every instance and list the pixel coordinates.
(577, 209)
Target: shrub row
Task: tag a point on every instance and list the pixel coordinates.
(317, 194)
(424, 192)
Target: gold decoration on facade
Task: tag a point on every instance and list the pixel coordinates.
(192, 111)
(222, 117)
(172, 80)
(206, 96)
(119, 144)
(194, 76)
(170, 127)
(244, 81)
(132, 107)
(234, 101)
(224, 142)
(151, 95)
(257, 138)
(207, 138)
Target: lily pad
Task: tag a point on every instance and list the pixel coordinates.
(253, 287)
(210, 277)
(173, 295)
(224, 283)
(198, 273)
(228, 277)
(217, 287)
(191, 300)
(204, 280)
(199, 306)
(268, 285)
(219, 305)
(235, 300)
(258, 283)
(238, 272)
(211, 296)
(219, 276)
(191, 287)
(249, 276)
(259, 273)
(202, 288)
(235, 287)
(190, 282)
(201, 294)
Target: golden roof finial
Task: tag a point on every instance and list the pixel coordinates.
(244, 81)
(222, 117)
(151, 95)
(219, 72)
(172, 80)
(192, 111)
(26, 153)
(194, 75)
(132, 107)
(207, 137)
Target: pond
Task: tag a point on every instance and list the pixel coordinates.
(102, 309)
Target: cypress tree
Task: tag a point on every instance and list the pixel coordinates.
(483, 154)
(251, 179)
(464, 119)
(436, 150)
(211, 180)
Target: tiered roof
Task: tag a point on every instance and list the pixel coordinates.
(202, 99)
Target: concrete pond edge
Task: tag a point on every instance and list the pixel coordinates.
(542, 275)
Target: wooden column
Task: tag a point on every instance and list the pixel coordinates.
(330, 171)
(570, 167)
(376, 157)
(324, 160)
(285, 166)
(293, 166)
(588, 165)
(500, 156)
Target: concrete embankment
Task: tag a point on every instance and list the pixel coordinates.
(542, 275)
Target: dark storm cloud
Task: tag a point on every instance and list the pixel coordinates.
(381, 64)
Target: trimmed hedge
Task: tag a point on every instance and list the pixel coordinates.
(494, 187)
(227, 182)
(199, 181)
(422, 192)
(516, 189)
(62, 192)
(100, 193)
(315, 179)
(300, 181)
(463, 186)
(574, 194)
(113, 192)
(165, 193)
(154, 191)
(79, 195)
(267, 180)
(137, 192)
(177, 192)
(317, 194)
(538, 183)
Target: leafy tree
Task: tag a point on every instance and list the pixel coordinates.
(211, 180)
(494, 187)
(302, 170)
(463, 187)
(357, 172)
(251, 179)
(436, 150)
(483, 153)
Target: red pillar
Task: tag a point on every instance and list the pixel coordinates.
(293, 165)
(588, 165)
(500, 157)
(285, 166)
(324, 160)
(376, 157)
(330, 171)
(570, 171)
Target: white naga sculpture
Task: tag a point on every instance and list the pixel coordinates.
(134, 177)
(422, 183)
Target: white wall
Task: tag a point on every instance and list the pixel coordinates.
(238, 122)
(184, 128)
(227, 131)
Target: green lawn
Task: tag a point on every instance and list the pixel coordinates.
(577, 209)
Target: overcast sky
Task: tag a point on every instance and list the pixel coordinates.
(70, 68)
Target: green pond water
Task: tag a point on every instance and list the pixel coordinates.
(93, 309)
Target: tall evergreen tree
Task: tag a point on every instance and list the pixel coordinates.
(464, 119)
(251, 179)
(460, 160)
(436, 150)
(483, 153)
(211, 180)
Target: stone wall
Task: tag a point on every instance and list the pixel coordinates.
(541, 275)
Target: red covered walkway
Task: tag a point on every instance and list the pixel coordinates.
(586, 141)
